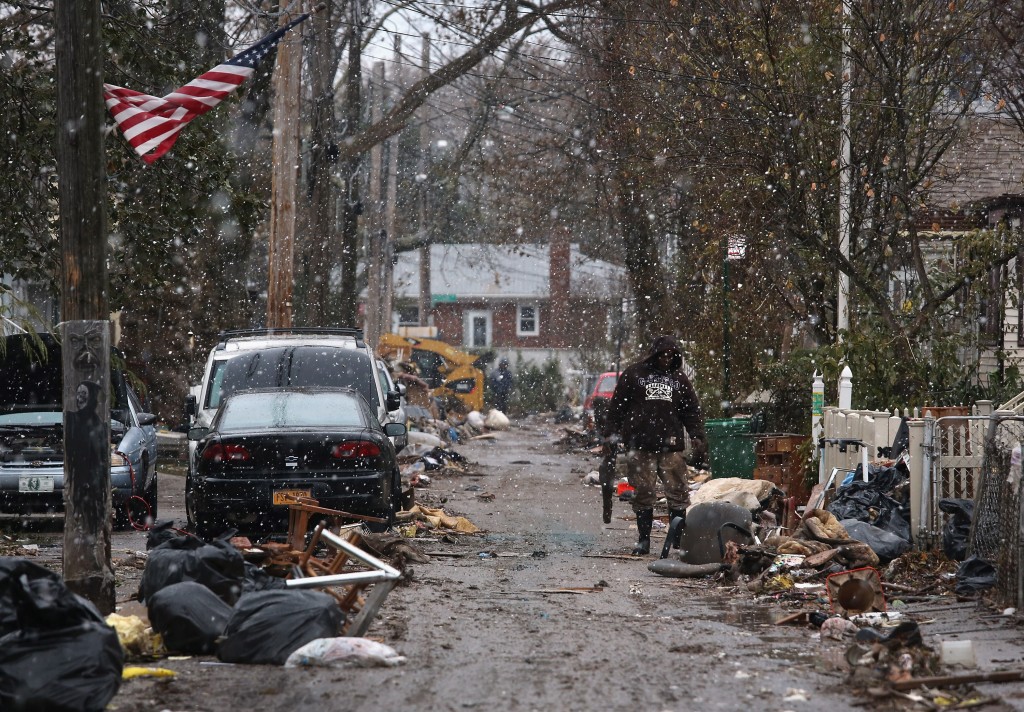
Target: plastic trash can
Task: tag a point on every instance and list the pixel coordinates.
(730, 448)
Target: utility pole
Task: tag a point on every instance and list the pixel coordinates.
(375, 222)
(425, 230)
(287, 83)
(85, 330)
(391, 207)
(845, 178)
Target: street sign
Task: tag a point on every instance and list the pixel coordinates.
(737, 247)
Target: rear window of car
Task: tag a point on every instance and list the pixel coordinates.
(296, 367)
(606, 384)
(257, 411)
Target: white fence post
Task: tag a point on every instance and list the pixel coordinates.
(846, 389)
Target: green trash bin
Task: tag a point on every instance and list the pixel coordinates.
(730, 448)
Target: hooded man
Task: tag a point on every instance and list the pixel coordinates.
(652, 410)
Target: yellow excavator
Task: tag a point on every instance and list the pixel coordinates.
(454, 375)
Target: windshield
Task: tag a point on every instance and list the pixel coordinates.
(32, 380)
(296, 367)
(259, 411)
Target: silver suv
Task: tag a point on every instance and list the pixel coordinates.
(291, 357)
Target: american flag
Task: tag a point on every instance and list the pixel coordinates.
(151, 124)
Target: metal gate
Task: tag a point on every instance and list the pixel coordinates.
(957, 447)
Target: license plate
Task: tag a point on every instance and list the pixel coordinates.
(33, 484)
(285, 496)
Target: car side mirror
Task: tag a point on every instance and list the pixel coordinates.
(198, 432)
(393, 400)
(147, 418)
(402, 389)
(191, 405)
(399, 432)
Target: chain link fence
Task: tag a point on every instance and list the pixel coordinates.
(996, 527)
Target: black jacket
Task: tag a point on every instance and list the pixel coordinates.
(651, 408)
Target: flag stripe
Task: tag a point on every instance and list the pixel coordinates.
(152, 124)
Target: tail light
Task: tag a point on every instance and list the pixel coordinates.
(354, 449)
(218, 452)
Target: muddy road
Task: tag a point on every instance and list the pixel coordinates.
(541, 611)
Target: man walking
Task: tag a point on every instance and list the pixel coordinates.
(653, 408)
(502, 383)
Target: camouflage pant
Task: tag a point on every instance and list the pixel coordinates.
(643, 470)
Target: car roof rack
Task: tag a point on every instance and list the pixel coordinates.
(304, 330)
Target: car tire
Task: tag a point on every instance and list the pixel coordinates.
(388, 516)
(152, 495)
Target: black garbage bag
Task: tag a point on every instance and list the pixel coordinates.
(189, 616)
(57, 654)
(887, 545)
(217, 565)
(883, 501)
(957, 532)
(164, 531)
(974, 575)
(268, 626)
(256, 579)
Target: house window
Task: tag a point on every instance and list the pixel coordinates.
(409, 315)
(477, 325)
(528, 322)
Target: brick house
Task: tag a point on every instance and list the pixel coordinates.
(533, 300)
(980, 184)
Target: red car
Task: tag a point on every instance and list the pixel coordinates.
(604, 388)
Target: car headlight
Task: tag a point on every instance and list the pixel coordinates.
(117, 459)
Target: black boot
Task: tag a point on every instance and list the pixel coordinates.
(676, 524)
(644, 522)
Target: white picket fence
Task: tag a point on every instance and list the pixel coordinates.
(946, 454)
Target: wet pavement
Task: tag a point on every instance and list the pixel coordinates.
(543, 611)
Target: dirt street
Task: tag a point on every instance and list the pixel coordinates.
(485, 626)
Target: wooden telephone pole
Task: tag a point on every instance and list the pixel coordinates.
(86, 327)
(375, 223)
(427, 231)
(281, 253)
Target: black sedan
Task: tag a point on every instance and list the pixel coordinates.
(268, 444)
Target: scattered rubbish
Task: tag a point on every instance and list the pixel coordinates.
(957, 652)
(333, 652)
(189, 617)
(217, 565)
(592, 478)
(137, 638)
(487, 555)
(680, 569)
(796, 695)
(886, 545)
(974, 575)
(130, 673)
(56, 651)
(855, 591)
(709, 525)
(267, 626)
(437, 518)
(954, 680)
(748, 494)
(496, 420)
(876, 618)
(956, 533)
(838, 628)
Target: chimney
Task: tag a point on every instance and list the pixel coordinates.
(558, 290)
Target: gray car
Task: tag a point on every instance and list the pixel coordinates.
(32, 437)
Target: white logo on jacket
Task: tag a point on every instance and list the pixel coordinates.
(659, 391)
